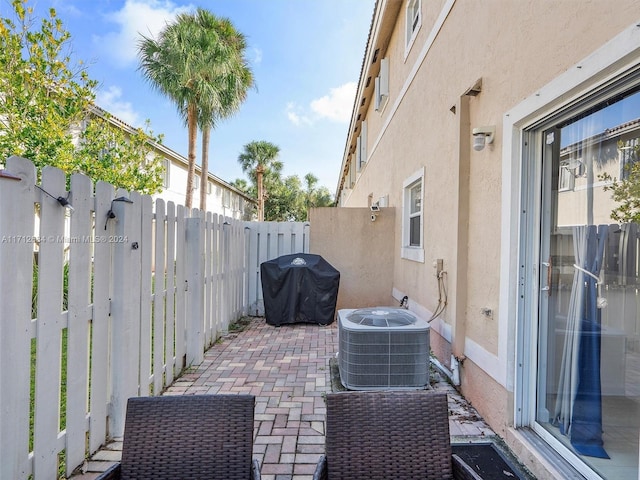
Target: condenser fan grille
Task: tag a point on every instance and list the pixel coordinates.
(381, 317)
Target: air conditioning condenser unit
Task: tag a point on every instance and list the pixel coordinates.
(382, 348)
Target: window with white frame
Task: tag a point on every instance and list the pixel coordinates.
(566, 179)
(352, 170)
(412, 217)
(381, 86)
(165, 172)
(196, 182)
(209, 187)
(363, 144)
(414, 20)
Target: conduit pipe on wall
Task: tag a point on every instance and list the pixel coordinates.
(462, 233)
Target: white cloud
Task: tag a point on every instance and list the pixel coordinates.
(146, 17)
(110, 100)
(257, 56)
(296, 116)
(337, 105)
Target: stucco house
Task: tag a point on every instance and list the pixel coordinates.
(222, 197)
(487, 126)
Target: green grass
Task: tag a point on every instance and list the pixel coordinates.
(240, 325)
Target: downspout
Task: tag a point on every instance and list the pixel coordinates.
(459, 313)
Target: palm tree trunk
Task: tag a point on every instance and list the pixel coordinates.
(204, 175)
(192, 117)
(259, 173)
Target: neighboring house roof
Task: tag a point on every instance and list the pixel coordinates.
(167, 152)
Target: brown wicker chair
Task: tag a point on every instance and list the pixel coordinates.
(190, 436)
(384, 435)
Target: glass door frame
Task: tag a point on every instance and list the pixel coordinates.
(535, 216)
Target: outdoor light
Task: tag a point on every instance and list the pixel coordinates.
(111, 214)
(64, 201)
(482, 136)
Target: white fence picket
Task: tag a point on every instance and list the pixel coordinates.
(145, 247)
(218, 221)
(125, 311)
(195, 289)
(180, 297)
(159, 298)
(170, 294)
(16, 257)
(100, 328)
(80, 316)
(209, 300)
(50, 322)
(146, 292)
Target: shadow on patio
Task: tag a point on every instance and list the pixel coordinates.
(288, 370)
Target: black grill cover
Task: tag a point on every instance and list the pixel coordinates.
(299, 288)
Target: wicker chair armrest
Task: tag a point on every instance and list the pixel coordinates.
(114, 472)
(321, 472)
(255, 470)
(462, 470)
(111, 473)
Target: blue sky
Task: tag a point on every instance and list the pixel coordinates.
(305, 55)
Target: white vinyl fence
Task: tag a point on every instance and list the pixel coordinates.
(106, 301)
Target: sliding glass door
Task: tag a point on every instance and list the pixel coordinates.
(588, 326)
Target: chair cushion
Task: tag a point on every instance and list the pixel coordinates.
(194, 437)
(384, 435)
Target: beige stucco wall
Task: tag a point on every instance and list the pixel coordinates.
(515, 48)
(361, 250)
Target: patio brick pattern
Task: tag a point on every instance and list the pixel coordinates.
(287, 369)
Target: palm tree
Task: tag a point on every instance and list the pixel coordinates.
(257, 158)
(315, 196)
(234, 81)
(310, 181)
(194, 62)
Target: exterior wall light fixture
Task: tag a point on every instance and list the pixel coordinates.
(111, 214)
(482, 136)
(64, 201)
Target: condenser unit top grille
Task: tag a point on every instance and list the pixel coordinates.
(381, 317)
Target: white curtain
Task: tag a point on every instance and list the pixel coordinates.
(568, 382)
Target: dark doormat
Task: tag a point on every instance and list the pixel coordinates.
(489, 462)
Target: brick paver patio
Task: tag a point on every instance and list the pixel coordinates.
(287, 369)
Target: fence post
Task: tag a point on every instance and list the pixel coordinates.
(16, 220)
(125, 312)
(194, 247)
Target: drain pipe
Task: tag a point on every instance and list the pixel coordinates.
(455, 371)
(454, 374)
